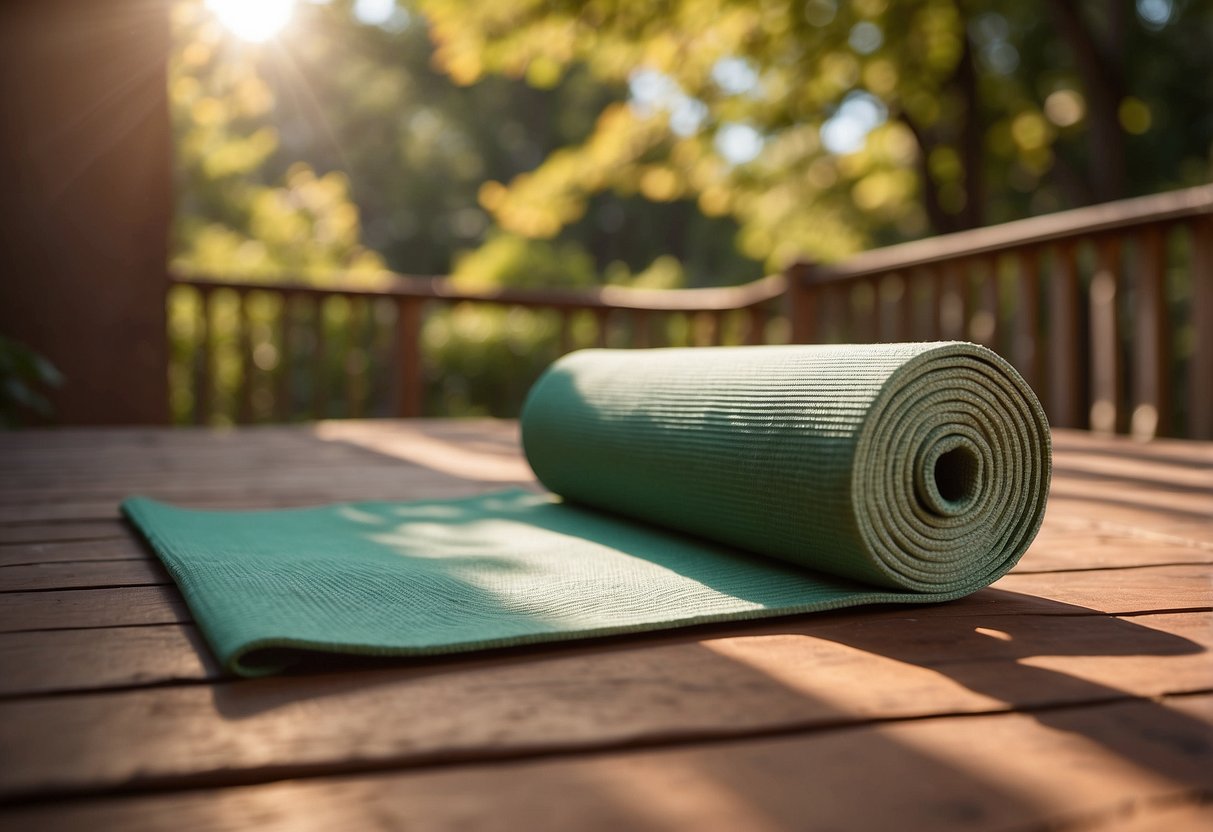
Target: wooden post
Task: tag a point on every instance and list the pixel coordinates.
(802, 297)
(408, 357)
(1064, 358)
(1200, 366)
(85, 158)
(1106, 415)
(1151, 382)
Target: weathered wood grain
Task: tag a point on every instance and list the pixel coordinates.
(126, 547)
(80, 659)
(779, 676)
(1120, 591)
(82, 574)
(1117, 592)
(71, 660)
(73, 609)
(1023, 705)
(54, 532)
(1008, 771)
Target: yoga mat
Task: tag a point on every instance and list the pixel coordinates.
(687, 486)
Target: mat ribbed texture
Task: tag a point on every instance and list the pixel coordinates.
(694, 485)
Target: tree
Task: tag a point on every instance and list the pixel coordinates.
(825, 127)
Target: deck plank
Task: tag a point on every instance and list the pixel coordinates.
(88, 608)
(1053, 769)
(1071, 693)
(1070, 593)
(82, 574)
(67, 660)
(785, 675)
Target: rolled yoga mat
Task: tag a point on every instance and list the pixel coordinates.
(688, 486)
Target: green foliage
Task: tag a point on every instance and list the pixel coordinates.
(688, 143)
(235, 217)
(483, 359)
(983, 110)
(24, 376)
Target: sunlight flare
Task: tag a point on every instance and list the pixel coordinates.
(253, 21)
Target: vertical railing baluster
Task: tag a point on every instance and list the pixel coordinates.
(864, 293)
(985, 324)
(1151, 414)
(641, 333)
(1103, 299)
(903, 308)
(935, 296)
(566, 330)
(408, 357)
(1027, 317)
(953, 303)
(706, 328)
(1065, 365)
(202, 360)
(755, 325)
(601, 315)
(355, 358)
(802, 300)
(881, 326)
(244, 407)
(319, 359)
(284, 387)
(1200, 366)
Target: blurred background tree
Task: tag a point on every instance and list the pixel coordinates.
(689, 143)
(824, 127)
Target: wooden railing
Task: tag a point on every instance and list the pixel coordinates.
(1107, 311)
(383, 328)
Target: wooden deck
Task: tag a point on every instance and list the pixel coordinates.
(1075, 694)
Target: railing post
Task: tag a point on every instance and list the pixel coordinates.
(202, 369)
(1064, 358)
(755, 325)
(1103, 299)
(1200, 366)
(1151, 416)
(1027, 318)
(566, 331)
(354, 361)
(802, 297)
(320, 375)
(284, 383)
(244, 411)
(954, 301)
(408, 356)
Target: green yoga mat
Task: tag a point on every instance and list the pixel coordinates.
(688, 486)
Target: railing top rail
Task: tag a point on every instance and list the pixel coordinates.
(1035, 231)
(1047, 228)
(720, 299)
